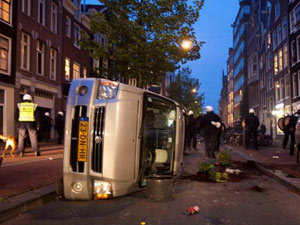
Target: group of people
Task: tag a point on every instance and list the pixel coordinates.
(210, 127)
(28, 120)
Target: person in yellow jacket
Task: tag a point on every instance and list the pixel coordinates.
(27, 120)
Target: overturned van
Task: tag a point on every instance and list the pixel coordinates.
(116, 136)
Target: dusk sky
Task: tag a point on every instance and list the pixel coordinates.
(213, 27)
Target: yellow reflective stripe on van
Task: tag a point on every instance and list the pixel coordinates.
(27, 111)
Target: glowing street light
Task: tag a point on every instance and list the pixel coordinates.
(194, 90)
(186, 44)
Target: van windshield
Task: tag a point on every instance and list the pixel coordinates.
(158, 135)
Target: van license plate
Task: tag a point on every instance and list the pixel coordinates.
(83, 139)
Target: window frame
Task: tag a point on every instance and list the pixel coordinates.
(43, 11)
(8, 72)
(67, 69)
(54, 17)
(28, 13)
(42, 52)
(73, 70)
(10, 12)
(75, 39)
(53, 59)
(23, 44)
(68, 27)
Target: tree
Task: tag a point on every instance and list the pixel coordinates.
(144, 37)
(185, 90)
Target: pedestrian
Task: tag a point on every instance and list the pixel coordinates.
(60, 127)
(191, 131)
(251, 126)
(289, 131)
(208, 126)
(27, 118)
(45, 127)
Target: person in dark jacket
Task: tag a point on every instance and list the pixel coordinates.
(191, 131)
(45, 127)
(27, 118)
(208, 126)
(60, 127)
(290, 130)
(251, 126)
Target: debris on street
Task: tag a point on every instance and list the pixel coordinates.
(192, 210)
(236, 171)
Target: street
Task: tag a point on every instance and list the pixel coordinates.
(219, 203)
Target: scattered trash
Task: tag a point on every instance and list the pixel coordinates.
(192, 210)
(258, 188)
(236, 171)
(275, 157)
(50, 158)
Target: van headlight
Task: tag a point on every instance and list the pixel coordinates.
(108, 89)
(102, 189)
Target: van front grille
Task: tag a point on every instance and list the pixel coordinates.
(97, 155)
(80, 111)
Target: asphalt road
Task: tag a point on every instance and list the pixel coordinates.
(220, 203)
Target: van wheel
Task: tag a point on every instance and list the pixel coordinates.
(60, 188)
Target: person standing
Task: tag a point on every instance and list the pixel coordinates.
(209, 125)
(45, 127)
(291, 129)
(26, 116)
(251, 126)
(191, 133)
(60, 127)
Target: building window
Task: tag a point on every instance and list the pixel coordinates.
(26, 7)
(76, 70)
(285, 56)
(25, 51)
(293, 52)
(53, 17)
(67, 68)
(277, 10)
(5, 11)
(41, 12)
(84, 72)
(68, 26)
(277, 88)
(284, 28)
(40, 54)
(5, 55)
(53, 60)
(76, 35)
(294, 18)
(295, 85)
(279, 34)
(280, 59)
(298, 48)
(274, 40)
(287, 86)
(275, 64)
(282, 88)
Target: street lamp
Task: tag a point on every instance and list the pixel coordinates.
(194, 90)
(186, 44)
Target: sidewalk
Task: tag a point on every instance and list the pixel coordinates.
(28, 182)
(274, 162)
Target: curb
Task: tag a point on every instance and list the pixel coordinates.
(27, 201)
(291, 183)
